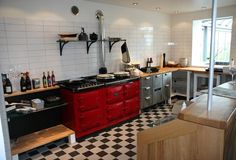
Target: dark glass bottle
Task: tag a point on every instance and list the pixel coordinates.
(28, 81)
(22, 83)
(53, 79)
(44, 80)
(49, 80)
(8, 86)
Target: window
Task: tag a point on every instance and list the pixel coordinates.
(202, 40)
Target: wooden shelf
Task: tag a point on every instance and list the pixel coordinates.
(40, 138)
(18, 93)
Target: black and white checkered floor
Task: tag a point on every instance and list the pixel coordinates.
(118, 142)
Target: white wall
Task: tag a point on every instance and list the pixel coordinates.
(28, 34)
(181, 31)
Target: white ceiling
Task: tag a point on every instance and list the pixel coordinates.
(168, 6)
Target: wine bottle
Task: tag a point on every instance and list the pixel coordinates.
(49, 80)
(53, 79)
(22, 83)
(8, 86)
(44, 80)
(28, 81)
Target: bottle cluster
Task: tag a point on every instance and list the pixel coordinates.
(48, 80)
(26, 83)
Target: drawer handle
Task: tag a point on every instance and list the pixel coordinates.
(158, 89)
(147, 98)
(147, 78)
(147, 88)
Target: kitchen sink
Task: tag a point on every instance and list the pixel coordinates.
(149, 69)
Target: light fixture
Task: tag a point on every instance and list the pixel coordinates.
(177, 12)
(135, 3)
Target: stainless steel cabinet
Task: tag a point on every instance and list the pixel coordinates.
(180, 83)
(157, 88)
(167, 86)
(146, 91)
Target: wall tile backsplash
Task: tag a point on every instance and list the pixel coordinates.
(30, 45)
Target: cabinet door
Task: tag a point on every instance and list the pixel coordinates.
(157, 81)
(114, 94)
(131, 89)
(132, 106)
(146, 81)
(157, 95)
(90, 100)
(90, 119)
(115, 111)
(146, 101)
(167, 78)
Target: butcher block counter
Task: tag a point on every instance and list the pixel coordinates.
(197, 134)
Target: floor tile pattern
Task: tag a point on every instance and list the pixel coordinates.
(117, 143)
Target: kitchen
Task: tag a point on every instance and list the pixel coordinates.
(29, 35)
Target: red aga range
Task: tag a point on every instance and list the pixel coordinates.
(98, 105)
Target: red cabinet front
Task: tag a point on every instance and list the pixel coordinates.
(90, 119)
(131, 89)
(114, 94)
(90, 100)
(132, 106)
(115, 111)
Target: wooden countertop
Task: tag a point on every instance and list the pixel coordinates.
(172, 69)
(219, 117)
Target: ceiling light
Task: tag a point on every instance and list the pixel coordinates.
(177, 12)
(158, 8)
(135, 3)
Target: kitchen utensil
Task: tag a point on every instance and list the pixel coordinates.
(125, 53)
(93, 36)
(164, 59)
(105, 76)
(183, 62)
(102, 70)
(121, 74)
(68, 36)
(83, 36)
(36, 83)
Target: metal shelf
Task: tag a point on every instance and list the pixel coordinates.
(62, 43)
(112, 42)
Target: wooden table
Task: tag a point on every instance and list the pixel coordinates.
(196, 134)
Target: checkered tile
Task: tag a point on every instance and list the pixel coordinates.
(117, 143)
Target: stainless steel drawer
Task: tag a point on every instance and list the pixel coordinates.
(146, 81)
(146, 101)
(157, 96)
(146, 91)
(157, 81)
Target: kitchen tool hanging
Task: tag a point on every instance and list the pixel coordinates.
(125, 53)
(83, 36)
(93, 36)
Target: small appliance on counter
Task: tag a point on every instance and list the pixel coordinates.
(183, 62)
(37, 103)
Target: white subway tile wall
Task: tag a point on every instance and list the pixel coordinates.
(30, 45)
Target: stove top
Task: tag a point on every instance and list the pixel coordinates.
(90, 82)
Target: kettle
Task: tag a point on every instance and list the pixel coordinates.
(93, 36)
(83, 36)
